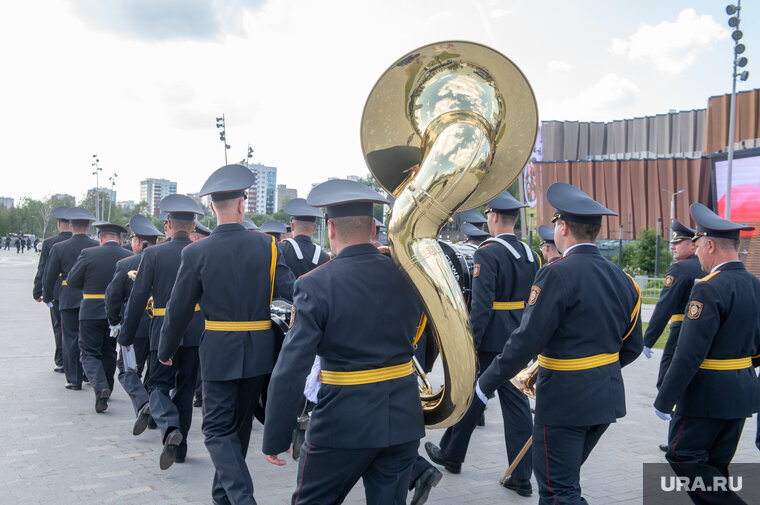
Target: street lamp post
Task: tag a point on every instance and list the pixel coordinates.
(221, 123)
(739, 61)
(673, 202)
(110, 200)
(97, 185)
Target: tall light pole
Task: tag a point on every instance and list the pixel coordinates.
(673, 202)
(97, 185)
(221, 123)
(739, 61)
(110, 200)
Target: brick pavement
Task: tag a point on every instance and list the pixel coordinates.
(54, 449)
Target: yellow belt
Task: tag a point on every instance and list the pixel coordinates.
(94, 296)
(64, 283)
(509, 305)
(238, 325)
(577, 363)
(366, 376)
(726, 364)
(162, 311)
(676, 318)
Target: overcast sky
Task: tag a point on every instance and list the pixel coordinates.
(139, 82)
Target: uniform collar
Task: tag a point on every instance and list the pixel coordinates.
(222, 228)
(302, 238)
(66, 233)
(505, 236)
(112, 242)
(582, 247)
(357, 250)
(729, 265)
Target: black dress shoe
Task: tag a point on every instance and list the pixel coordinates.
(438, 457)
(424, 483)
(169, 454)
(85, 379)
(73, 387)
(198, 401)
(664, 447)
(58, 368)
(142, 419)
(519, 486)
(101, 400)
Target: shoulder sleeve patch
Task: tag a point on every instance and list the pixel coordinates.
(668, 281)
(476, 269)
(534, 292)
(292, 316)
(694, 310)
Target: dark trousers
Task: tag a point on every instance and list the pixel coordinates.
(142, 353)
(700, 447)
(667, 352)
(558, 453)
(98, 353)
(72, 365)
(518, 422)
(227, 423)
(171, 393)
(327, 475)
(418, 468)
(55, 319)
(129, 379)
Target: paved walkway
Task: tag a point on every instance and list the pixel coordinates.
(54, 449)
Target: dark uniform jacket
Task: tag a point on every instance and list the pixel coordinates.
(119, 288)
(229, 274)
(499, 277)
(92, 273)
(674, 296)
(357, 313)
(580, 306)
(307, 249)
(722, 322)
(47, 244)
(63, 255)
(156, 276)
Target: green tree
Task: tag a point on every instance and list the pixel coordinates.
(639, 256)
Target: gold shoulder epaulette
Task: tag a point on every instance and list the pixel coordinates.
(708, 277)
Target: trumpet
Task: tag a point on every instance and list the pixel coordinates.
(148, 306)
(525, 382)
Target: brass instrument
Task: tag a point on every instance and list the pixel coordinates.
(525, 380)
(446, 128)
(149, 306)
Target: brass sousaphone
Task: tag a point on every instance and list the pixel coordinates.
(447, 128)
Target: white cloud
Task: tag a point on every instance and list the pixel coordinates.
(672, 46)
(610, 90)
(558, 66)
(604, 99)
(500, 13)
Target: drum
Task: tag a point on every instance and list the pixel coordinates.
(460, 261)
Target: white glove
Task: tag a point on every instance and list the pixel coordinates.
(49, 304)
(312, 387)
(663, 416)
(115, 330)
(647, 352)
(481, 394)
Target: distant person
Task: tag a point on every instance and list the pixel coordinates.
(547, 246)
(64, 233)
(29, 243)
(7, 243)
(17, 243)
